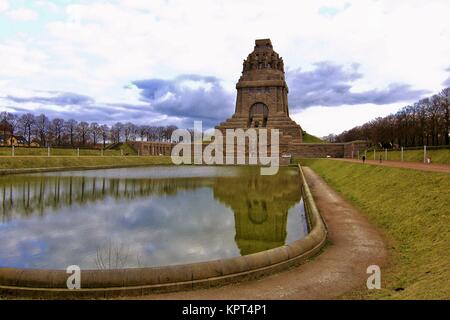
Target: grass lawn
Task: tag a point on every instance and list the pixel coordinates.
(412, 208)
(84, 161)
(309, 138)
(33, 151)
(25, 151)
(437, 156)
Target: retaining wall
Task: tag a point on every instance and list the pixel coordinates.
(323, 150)
(48, 284)
(303, 150)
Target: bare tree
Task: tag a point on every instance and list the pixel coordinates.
(60, 132)
(41, 124)
(444, 99)
(168, 130)
(330, 138)
(116, 132)
(426, 122)
(143, 132)
(57, 127)
(159, 133)
(104, 132)
(112, 256)
(10, 121)
(95, 131)
(82, 132)
(71, 127)
(128, 131)
(26, 122)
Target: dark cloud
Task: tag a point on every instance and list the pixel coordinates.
(96, 112)
(330, 84)
(82, 108)
(60, 99)
(178, 101)
(447, 82)
(189, 97)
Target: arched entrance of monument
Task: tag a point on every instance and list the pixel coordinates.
(259, 113)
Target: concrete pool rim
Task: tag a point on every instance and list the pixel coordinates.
(32, 283)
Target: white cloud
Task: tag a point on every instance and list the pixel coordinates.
(99, 47)
(21, 60)
(47, 5)
(22, 14)
(321, 121)
(4, 5)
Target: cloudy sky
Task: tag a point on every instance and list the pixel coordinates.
(172, 62)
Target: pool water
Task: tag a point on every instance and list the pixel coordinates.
(148, 216)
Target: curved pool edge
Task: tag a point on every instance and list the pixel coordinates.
(51, 284)
(18, 171)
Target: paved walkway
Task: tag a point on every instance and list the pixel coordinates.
(355, 245)
(408, 165)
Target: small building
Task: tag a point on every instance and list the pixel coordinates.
(18, 141)
(35, 143)
(13, 140)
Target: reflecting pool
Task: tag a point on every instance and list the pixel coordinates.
(141, 217)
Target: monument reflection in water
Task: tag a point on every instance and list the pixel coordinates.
(141, 217)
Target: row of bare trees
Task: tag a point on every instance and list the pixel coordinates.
(426, 122)
(60, 132)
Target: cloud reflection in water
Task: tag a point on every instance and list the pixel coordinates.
(145, 216)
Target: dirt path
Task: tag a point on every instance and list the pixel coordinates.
(408, 165)
(356, 244)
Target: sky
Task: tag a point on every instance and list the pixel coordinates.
(161, 62)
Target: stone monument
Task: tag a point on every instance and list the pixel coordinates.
(262, 95)
(262, 102)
